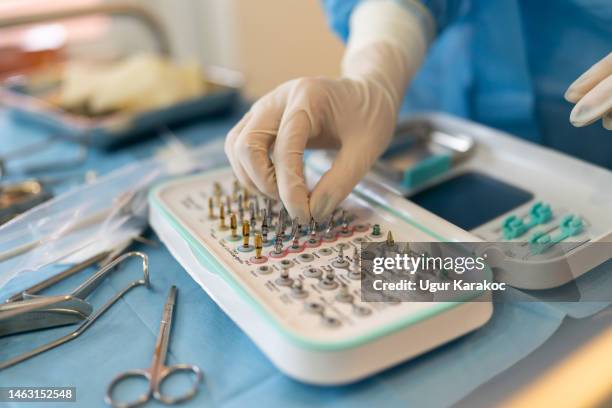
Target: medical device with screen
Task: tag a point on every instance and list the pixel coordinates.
(470, 199)
(295, 288)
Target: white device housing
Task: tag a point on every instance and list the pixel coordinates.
(569, 185)
(303, 344)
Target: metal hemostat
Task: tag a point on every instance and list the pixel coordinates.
(17, 312)
(27, 311)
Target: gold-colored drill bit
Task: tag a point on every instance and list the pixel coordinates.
(211, 208)
(258, 245)
(222, 217)
(246, 230)
(233, 225)
(390, 240)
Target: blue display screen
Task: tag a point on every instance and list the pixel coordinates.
(471, 199)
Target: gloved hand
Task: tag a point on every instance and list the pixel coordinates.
(355, 114)
(592, 94)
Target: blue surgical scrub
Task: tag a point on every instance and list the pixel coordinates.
(507, 64)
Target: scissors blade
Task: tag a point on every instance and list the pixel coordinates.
(163, 339)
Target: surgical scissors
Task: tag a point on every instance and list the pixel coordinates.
(158, 372)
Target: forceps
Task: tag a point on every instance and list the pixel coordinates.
(158, 372)
(84, 289)
(27, 310)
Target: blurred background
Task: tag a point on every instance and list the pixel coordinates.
(81, 80)
(240, 34)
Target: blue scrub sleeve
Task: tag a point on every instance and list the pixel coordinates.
(442, 11)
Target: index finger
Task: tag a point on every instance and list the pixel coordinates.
(288, 155)
(589, 79)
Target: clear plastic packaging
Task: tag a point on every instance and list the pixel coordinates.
(95, 216)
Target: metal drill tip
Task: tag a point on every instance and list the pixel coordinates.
(330, 223)
(264, 221)
(278, 245)
(295, 227)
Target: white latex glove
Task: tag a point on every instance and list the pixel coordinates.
(355, 114)
(592, 94)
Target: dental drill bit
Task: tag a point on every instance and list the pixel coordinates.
(240, 208)
(245, 196)
(295, 227)
(295, 244)
(344, 229)
(211, 208)
(235, 189)
(390, 241)
(246, 231)
(295, 233)
(330, 225)
(258, 246)
(257, 208)
(252, 215)
(355, 272)
(268, 203)
(233, 225)
(278, 245)
(228, 203)
(313, 228)
(280, 229)
(222, 225)
(217, 190)
(264, 229)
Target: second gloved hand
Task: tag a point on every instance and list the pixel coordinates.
(356, 116)
(592, 94)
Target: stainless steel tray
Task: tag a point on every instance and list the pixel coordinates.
(25, 103)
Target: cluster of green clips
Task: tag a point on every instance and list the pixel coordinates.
(570, 226)
(514, 227)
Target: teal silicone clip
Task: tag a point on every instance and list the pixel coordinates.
(540, 213)
(570, 225)
(514, 227)
(426, 170)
